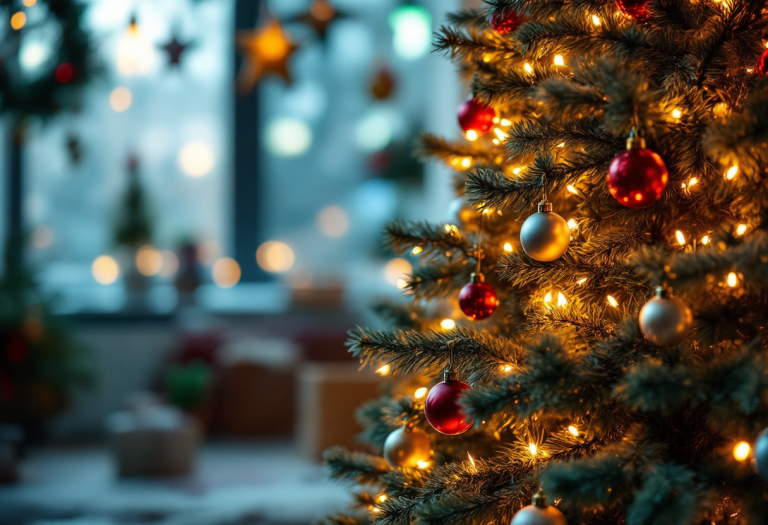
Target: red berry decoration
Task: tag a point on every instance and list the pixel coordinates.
(637, 176)
(442, 408)
(478, 300)
(504, 22)
(476, 116)
(633, 9)
(762, 64)
(64, 73)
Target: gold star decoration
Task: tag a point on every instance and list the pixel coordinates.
(266, 50)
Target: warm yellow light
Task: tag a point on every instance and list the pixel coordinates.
(500, 133)
(517, 171)
(105, 270)
(397, 269)
(382, 498)
(275, 257)
(508, 247)
(447, 324)
(471, 135)
(401, 284)
(742, 451)
(471, 460)
(384, 370)
(561, 300)
(561, 145)
(572, 189)
(548, 298)
(676, 113)
(422, 464)
(226, 272)
(533, 449)
(732, 280)
(732, 172)
(596, 20)
(134, 52)
(528, 68)
(333, 222)
(420, 392)
(581, 281)
(148, 261)
(505, 122)
(466, 162)
(196, 159)
(559, 60)
(506, 368)
(417, 250)
(572, 224)
(29, 3)
(680, 238)
(18, 20)
(705, 240)
(613, 302)
(120, 99)
(693, 182)
(572, 430)
(741, 229)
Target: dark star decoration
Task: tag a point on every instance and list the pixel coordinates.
(175, 49)
(320, 16)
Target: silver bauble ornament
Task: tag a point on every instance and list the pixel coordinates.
(665, 320)
(545, 235)
(405, 447)
(540, 512)
(761, 454)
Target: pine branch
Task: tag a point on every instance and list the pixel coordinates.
(434, 239)
(354, 467)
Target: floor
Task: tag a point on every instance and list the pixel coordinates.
(235, 484)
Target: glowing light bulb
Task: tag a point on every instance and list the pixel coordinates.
(572, 224)
(533, 449)
(528, 68)
(596, 20)
(466, 162)
(732, 280)
(506, 368)
(548, 298)
(420, 392)
(676, 113)
(572, 189)
(471, 135)
(741, 229)
(508, 247)
(732, 172)
(742, 451)
(422, 464)
(382, 498)
(417, 250)
(572, 430)
(447, 324)
(134, 51)
(120, 99)
(384, 370)
(680, 238)
(472, 461)
(275, 257)
(517, 171)
(705, 240)
(505, 122)
(613, 302)
(693, 182)
(559, 60)
(581, 281)
(561, 300)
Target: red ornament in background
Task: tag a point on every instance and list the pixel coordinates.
(633, 9)
(637, 176)
(442, 409)
(762, 64)
(64, 73)
(476, 116)
(478, 300)
(504, 22)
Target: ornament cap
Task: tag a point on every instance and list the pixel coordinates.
(545, 207)
(635, 141)
(477, 277)
(540, 499)
(450, 374)
(662, 292)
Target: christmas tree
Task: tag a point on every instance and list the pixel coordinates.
(610, 264)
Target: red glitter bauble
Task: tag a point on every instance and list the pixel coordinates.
(505, 22)
(442, 408)
(637, 177)
(65, 72)
(476, 116)
(633, 9)
(478, 301)
(762, 64)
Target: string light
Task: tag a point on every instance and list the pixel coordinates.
(732, 280)
(18, 20)
(548, 298)
(466, 162)
(561, 300)
(506, 368)
(676, 113)
(533, 449)
(741, 229)
(581, 281)
(559, 60)
(384, 370)
(693, 182)
(517, 171)
(528, 68)
(508, 247)
(422, 464)
(505, 122)
(732, 172)
(500, 133)
(596, 20)
(472, 462)
(613, 302)
(420, 392)
(471, 135)
(572, 189)
(705, 240)
(572, 224)
(742, 451)
(382, 498)
(447, 324)
(417, 250)
(680, 238)
(572, 430)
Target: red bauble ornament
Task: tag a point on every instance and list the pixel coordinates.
(478, 300)
(476, 116)
(633, 9)
(762, 64)
(64, 73)
(442, 408)
(637, 177)
(504, 22)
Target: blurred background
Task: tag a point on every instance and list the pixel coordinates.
(193, 197)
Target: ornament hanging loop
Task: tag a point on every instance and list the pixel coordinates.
(478, 244)
(450, 373)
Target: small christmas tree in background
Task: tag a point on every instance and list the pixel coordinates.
(610, 263)
(134, 226)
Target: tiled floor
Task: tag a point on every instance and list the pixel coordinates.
(235, 483)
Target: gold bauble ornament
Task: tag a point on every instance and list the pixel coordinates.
(406, 447)
(665, 320)
(545, 235)
(540, 512)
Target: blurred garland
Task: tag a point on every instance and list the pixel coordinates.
(72, 64)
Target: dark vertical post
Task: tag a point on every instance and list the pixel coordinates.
(246, 184)
(14, 236)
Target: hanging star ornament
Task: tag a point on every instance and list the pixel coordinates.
(320, 16)
(266, 50)
(174, 49)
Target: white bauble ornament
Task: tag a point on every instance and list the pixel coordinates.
(539, 513)
(665, 320)
(545, 235)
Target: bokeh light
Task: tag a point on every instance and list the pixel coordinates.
(397, 270)
(170, 264)
(275, 257)
(120, 99)
(333, 222)
(134, 52)
(196, 159)
(742, 451)
(226, 272)
(42, 237)
(148, 261)
(18, 20)
(208, 252)
(374, 132)
(105, 270)
(412, 28)
(288, 137)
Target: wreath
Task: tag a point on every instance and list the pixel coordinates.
(69, 65)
